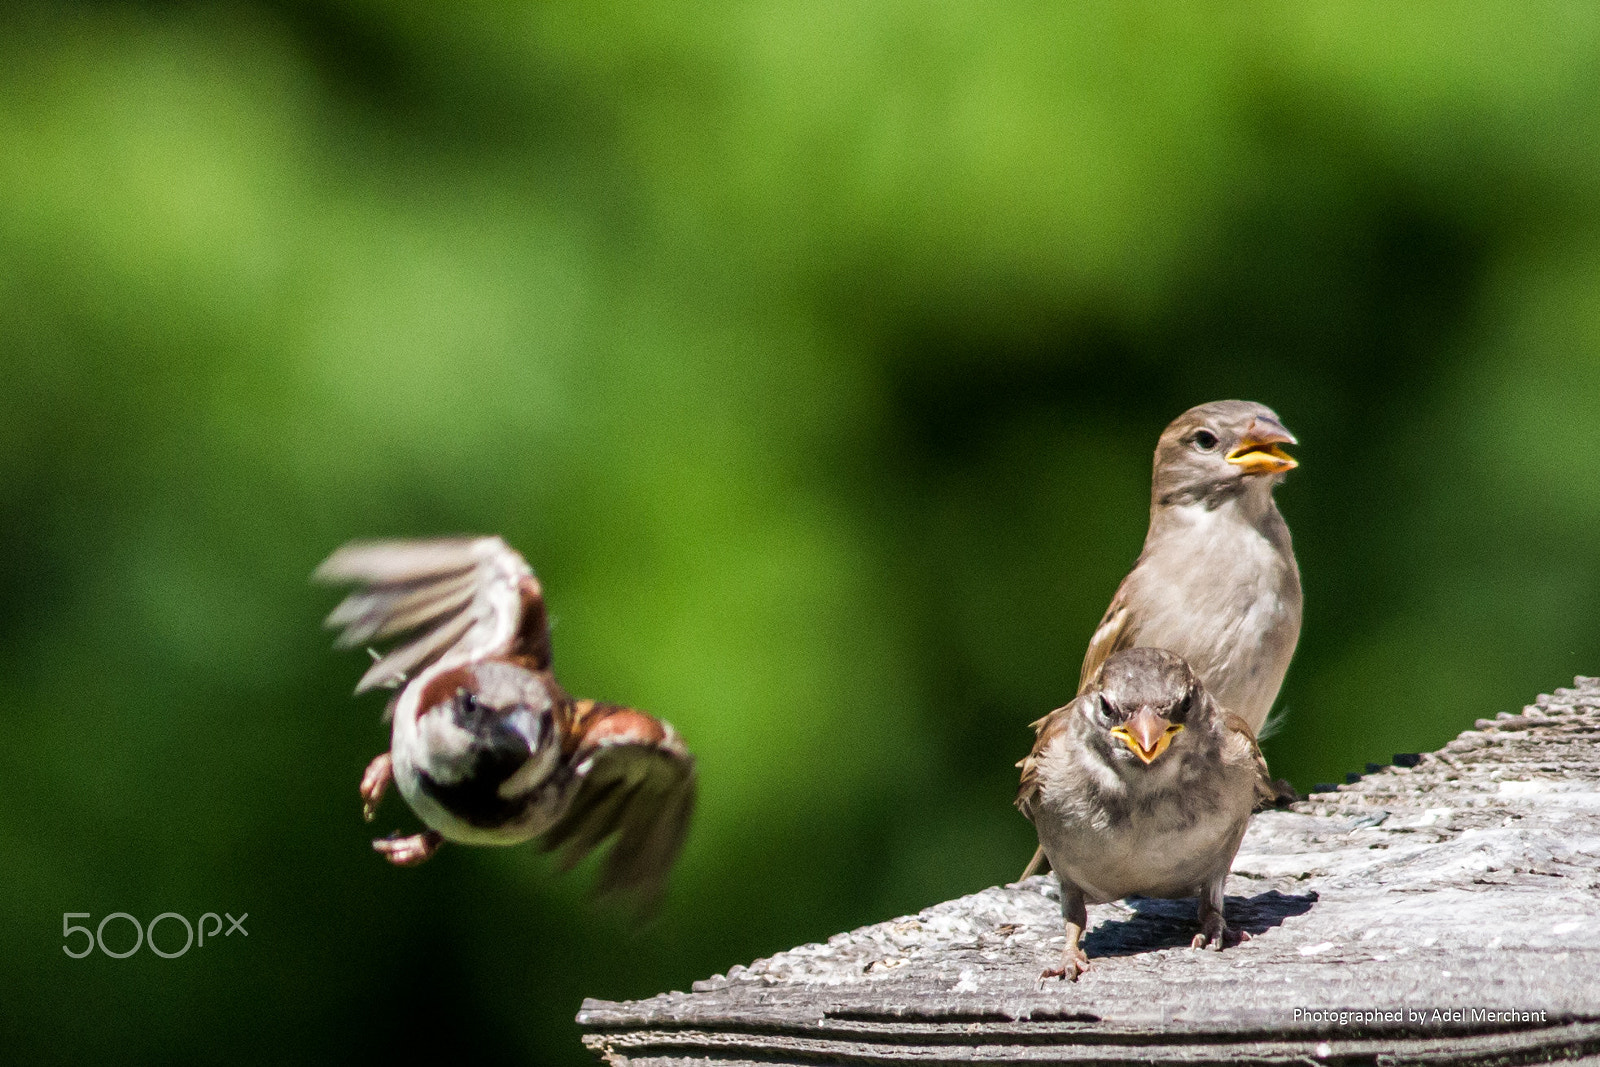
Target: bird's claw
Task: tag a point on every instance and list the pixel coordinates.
(1219, 938)
(374, 783)
(409, 851)
(1074, 962)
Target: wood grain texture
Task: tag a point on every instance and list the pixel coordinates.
(1468, 883)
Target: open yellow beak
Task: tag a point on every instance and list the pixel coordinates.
(1147, 734)
(1258, 451)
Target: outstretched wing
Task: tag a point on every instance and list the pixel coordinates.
(469, 597)
(635, 780)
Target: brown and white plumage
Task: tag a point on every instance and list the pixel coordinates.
(487, 748)
(1217, 581)
(1143, 785)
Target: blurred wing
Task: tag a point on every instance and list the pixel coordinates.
(1111, 636)
(469, 597)
(635, 781)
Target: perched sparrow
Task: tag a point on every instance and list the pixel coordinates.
(1217, 581)
(487, 748)
(1142, 785)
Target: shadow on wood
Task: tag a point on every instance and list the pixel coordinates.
(1157, 924)
(1443, 910)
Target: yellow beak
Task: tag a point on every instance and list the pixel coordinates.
(1258, 451)
(1147, 734)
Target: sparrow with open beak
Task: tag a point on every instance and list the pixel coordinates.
(1217, 581)
(1143, 785)
(486, 747)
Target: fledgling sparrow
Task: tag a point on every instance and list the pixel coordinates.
(1143, 785)
(1217, 581)
(487, 748)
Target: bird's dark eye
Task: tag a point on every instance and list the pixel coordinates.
(1205, 440)
(465, 708)
(1103, 708)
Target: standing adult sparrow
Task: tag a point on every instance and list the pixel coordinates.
(1217, 581)
(487, 748)
(1142, 785)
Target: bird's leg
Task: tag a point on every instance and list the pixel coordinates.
(1213, 927)
(374, 783)
(409, 851)
(1074, 916)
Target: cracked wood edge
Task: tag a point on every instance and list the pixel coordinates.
(1543, 1044)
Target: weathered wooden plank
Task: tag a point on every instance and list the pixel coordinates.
(1451, 905)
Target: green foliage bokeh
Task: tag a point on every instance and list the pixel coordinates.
(813, 353)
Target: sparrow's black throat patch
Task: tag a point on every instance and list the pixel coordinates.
(502, 742)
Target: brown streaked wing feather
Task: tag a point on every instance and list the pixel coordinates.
(468, 597)
(1266, 792)
(636, 783)
(1045, 732)
(1111, 636)
(587, 714)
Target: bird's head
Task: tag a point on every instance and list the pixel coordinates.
(490, 720)
(1142, 700)
(1221, 449)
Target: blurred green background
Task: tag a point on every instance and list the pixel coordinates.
(813, 353)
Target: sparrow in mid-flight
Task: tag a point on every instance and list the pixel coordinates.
(487, 748)
(1217, 581)
(1143, 785)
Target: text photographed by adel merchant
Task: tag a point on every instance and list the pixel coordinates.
(1416, 1016)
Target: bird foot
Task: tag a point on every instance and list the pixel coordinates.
(409, 851)
(1218, 937)
(1074, 961)
(374, 783)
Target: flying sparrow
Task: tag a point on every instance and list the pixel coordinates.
(487, 748)
(1142, 785)
(1217, 582)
